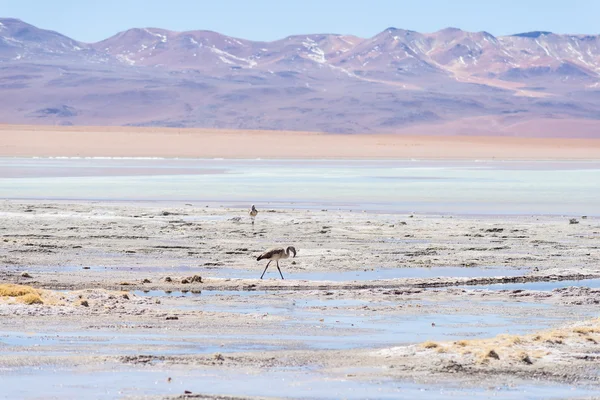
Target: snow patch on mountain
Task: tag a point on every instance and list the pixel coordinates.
(229, 58)
(125, 59)
(315, 52)
(162, 38)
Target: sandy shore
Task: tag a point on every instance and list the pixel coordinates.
(46, 141)
(101, 271)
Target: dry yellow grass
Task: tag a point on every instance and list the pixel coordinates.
(30, 298)
(22, 293)
(511, 339)
(524, 358)
(486, 355)
(586, 330)
(522, 349)
(11, 290)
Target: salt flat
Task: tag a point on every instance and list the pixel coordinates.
(424, 278)
(333, 319)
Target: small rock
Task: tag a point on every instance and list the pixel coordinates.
(195, 278)
(25, 275)
(187, 392)
(185, 281)
(495, 230)
(493, 354)
(573, 221)
(168, 279)
(146, 281)
(169, 379)
(172, 318)
(433, 324)
(125, 296)
(84, 303)
(219, 357)
(584, 217)
(85, 267)
(124, 283)
(293, 262)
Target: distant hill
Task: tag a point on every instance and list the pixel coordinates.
(393, 82)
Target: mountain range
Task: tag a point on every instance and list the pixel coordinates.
(398, 81)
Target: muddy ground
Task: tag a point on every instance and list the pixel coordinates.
(166, 288)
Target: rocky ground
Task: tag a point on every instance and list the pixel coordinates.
(159, 288)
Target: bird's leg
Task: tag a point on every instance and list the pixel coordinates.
(279, 269)
(265, 269)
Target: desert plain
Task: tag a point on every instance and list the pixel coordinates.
(162, 299)
(430, 143)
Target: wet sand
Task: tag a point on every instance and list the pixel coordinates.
(348, 320)
(53, 141)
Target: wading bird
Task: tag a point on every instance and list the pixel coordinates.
(253, 213)
(276, 255)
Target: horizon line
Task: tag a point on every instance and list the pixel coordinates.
(522, 34)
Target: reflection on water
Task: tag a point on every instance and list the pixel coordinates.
(470, 187)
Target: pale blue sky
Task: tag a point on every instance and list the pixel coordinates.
(93, 20)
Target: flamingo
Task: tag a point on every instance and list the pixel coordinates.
(275, 255)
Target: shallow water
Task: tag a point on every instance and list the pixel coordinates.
(542, 286)
(335, 323)
(116, 343)
(464, 187)
(297, 383)
(195, 293)
(337, 276)
(376, 274)
(353, 323)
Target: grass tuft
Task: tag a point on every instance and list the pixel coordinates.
(30, 298)
(11, 290)
(491, 354)
(430, 345)
(586, 330)
(524, 358)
